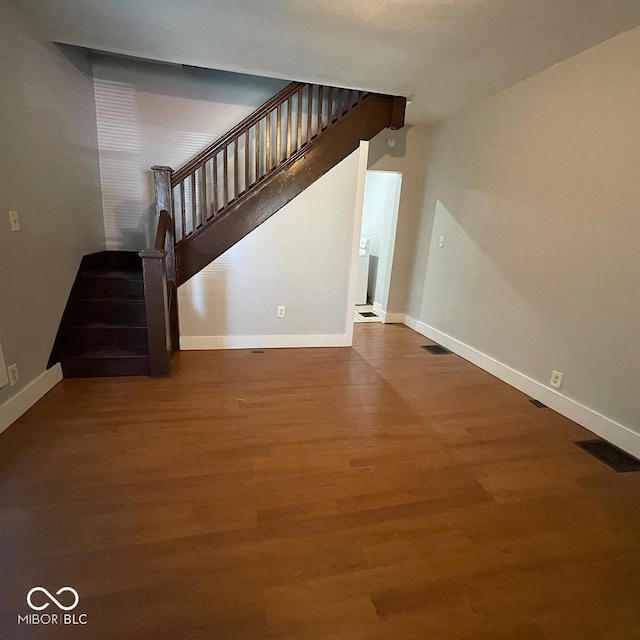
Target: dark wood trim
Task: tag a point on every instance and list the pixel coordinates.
(156, 303)
(398, 109)
(160, 295)
(320, 108)
(162, 187)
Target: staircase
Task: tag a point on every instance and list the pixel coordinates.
(122, 315)
(104, 326)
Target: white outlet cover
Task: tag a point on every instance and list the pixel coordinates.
(441, 241)
(15, 221)
(556, 379)
(13, 374)
(280, 312)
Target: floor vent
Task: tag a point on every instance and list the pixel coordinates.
(368, 314)
(257, 351)
(610, 455)
(537, 403)
(435, 349)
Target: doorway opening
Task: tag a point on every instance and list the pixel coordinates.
(377, 241)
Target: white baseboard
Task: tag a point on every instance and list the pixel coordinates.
(394, 318)
(606, 428)
(388, 317)
(14, 407)
(411, 322)
(377, 309)
(195, 343)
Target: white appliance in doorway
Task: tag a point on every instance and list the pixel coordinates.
(363, 271)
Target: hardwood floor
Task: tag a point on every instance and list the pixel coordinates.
(371, 493)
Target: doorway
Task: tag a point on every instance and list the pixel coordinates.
(377, 241)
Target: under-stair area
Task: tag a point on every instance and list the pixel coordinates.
(122, 314)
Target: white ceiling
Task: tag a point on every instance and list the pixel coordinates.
(442, 54)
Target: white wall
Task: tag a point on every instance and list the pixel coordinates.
(303, 257)
(379, 217)
(408, 157)
(158, 114)
(537, 191)
(50, 176)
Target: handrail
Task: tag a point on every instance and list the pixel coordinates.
(245, 124)
(242, 158)
(164, 224)
(159, 273)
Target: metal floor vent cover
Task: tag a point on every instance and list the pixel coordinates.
(610, 455)
(368, 314)
(435, 349)
(537, 403)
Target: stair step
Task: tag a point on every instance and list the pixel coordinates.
(128, 274)
(111, 260)
(111, 311)
(106, 363)
(98, 335)
(110, 284)
(104, 327)
(113, 352)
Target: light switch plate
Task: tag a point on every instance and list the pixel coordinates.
(15, 221)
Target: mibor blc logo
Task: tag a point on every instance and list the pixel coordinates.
(66, 599)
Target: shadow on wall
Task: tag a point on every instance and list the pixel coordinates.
(373, 279)
(158, 114)
(141, 232)
(164, 79)
(379, 146)
(203, 302)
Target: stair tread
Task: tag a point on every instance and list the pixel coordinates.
(117, 298)
(114, 273)
(104, 325)
(112, 352)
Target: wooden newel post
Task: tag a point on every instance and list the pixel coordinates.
(160, 280)
(156, 301)
(164, 201)
(162, 187)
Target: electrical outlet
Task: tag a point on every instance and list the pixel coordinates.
(12, 370)
(556, 379)
(441, 241)
(280, 312)
(15, 221)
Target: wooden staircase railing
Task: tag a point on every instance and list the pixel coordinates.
(161, 297)
(242, 179)
(257, 146)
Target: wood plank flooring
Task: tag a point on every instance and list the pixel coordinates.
(372, 493)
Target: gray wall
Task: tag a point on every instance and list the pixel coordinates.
(158, 114)
(302, 258)
(537, 191)
(50, 175)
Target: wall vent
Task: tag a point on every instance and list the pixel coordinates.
(610, 455)
(436, 349)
